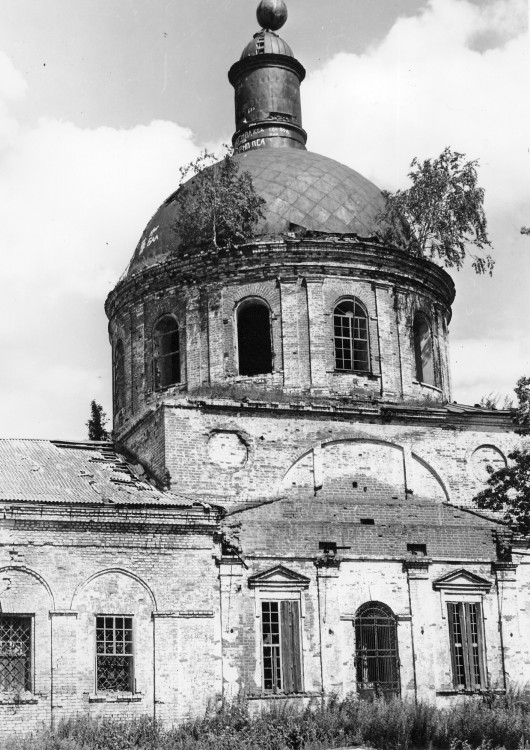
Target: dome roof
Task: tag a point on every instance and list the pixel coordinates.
(299, 187)
(266, 43)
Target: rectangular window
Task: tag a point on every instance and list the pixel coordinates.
(15, 653)
(114, 653)
(280, 622)
(466, 634)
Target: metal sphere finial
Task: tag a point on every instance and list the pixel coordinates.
(272, 14)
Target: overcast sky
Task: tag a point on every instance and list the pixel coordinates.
(101, 101)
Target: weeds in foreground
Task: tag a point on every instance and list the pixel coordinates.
(496, 722)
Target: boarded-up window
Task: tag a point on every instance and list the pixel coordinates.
(376, 651)
(119, 377)
(423, 352)
(114, 653)
(350, 326)
(166, 352)
(254, 340)
(15, 653)
(466, 634)
(282, 668)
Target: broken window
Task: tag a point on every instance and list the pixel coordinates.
(166, 352)
(423, 351)
(466, 635)
(254, 339)
(114, 653)
(350, 322)
(280, 624)
(119, 377)
(376, 651)
(15, 653)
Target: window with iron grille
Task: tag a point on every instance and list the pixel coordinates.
(466, 635)
(114, 653)
(423, 352)
(376, 651)
(282, 669)
(15, 653)
(350, 325)
(166, 352)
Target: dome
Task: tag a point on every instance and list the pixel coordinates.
(300, 188)
(266, 43)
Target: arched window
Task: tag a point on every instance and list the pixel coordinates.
(376, 651)
(423, 349)
(119, 377)
(254, 340)
(350, 322)
(166, 352)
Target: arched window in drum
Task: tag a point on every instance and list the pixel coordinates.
(350, 326)
(166, 353)
(254, 338)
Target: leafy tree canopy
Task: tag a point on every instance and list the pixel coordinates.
(441, 215)
(97, 423)
(220, 207)
(508, 490)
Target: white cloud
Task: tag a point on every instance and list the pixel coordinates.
(73, 204)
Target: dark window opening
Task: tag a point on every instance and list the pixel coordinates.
(328, 547)
(166, 351)
(466, 636)
(114, 654)
(350, 326)
(423, 350)
(254, 341)
(417, 550)
(282, 670)
(15, 653)
(119, 377)
(367, 521)
(376, 651)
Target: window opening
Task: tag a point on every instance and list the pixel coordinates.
(114, 653)
(254, 340)
(15, 653)
(350, 323)
(376, 652)
(417, 550)
(467, 645)
(280, 622)
(367, 521)
(119, 377)
(166, 349)
(423, 351)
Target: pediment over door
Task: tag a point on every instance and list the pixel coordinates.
(278, 577)
(463, 581)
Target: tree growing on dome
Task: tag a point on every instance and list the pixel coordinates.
(441, 215)
(218, 206)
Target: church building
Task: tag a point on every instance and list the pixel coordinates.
(286, 511)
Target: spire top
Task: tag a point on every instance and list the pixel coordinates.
(271, 14)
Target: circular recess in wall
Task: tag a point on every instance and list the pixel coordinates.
(484, 460)
(227, 450)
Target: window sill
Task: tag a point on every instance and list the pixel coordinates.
(428, 385)
(115, 697)
(356, 373)
(280, 696)
(13, 699)
(464, 691)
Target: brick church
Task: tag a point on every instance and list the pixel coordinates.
(286, 511)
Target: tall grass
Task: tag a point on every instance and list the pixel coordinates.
(499, 722)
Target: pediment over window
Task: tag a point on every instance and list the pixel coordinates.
(463, 581)
(277, 578)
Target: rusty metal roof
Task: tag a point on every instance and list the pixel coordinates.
(47, 471)
(301, 188)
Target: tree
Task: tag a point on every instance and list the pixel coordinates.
(97, 423)
(441, 215)
(525, 230)
(219, 206)
(508, 490)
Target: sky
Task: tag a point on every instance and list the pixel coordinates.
(101, 102)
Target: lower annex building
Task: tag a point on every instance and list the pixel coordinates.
(286, 511)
